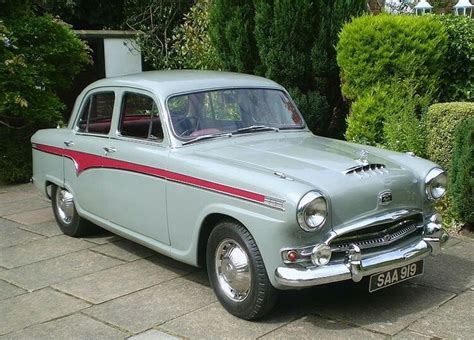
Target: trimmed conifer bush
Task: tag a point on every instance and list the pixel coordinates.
(462, 172)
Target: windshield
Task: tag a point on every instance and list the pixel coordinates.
(232, 111)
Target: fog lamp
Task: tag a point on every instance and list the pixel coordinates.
(321, 254)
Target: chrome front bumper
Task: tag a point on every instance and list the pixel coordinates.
(357, 264)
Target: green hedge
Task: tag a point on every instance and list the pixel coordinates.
(457, 79)
(441, 122)
(462, 172)
(385, 48)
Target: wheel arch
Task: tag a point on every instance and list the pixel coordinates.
(207, 225)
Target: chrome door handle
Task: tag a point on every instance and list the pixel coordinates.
(69, 143)
(109, 149)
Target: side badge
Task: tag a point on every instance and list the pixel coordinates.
(385, 197)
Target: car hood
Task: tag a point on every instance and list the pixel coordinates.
(320, 163)
(299, 156)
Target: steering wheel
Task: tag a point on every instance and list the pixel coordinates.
(197, 126)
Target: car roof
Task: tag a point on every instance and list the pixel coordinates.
(166, 83)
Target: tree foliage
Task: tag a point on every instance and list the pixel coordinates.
(192, 44)
(231, 29)
(39, 56)
(333, 13)
(156, 21)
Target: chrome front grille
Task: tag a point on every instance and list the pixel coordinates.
(367, 170)
(385, 236)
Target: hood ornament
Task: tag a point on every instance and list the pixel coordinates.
(363, 157)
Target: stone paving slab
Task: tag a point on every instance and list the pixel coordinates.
(33, 216)
(152, 306)
(120, 280)
(7, 197)
(37, 307)
(153, 334)
(40, 250)
(48, 229)
(386, 311)
(215, 322)
(21, 206)
(454, 320)
(124, 250)
(71, 327)
(7, 290)
(453, 270)
(314, 327)
(13, 235)
(44, 273)
(410, 335)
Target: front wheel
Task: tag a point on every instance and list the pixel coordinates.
(66, 215)
(237, 272)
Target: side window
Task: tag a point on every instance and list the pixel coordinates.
(96, 114)
(139, 117)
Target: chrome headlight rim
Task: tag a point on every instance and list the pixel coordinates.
(435, 176)
(304, 203)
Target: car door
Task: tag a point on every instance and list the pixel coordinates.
(135, 167)
(83, 150)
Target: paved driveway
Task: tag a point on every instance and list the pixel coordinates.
(53, 286)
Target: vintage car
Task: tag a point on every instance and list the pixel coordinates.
(219, 170)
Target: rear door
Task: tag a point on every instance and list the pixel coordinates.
(135, 167)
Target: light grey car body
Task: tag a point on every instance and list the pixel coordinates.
(167, 196)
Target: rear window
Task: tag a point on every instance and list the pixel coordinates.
(96, 115)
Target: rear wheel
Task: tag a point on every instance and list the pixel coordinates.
(66, 215)
(237, 272)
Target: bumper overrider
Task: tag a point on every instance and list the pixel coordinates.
(359, 263)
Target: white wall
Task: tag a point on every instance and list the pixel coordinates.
(121, 57)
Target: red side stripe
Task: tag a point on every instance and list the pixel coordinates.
(85, 161)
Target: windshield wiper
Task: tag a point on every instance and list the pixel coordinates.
(204, 137)
(255, 128)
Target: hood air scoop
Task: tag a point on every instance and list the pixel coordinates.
(366, 170)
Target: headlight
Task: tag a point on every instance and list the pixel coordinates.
(435, 184)
(312, 211)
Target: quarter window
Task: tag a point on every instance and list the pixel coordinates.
(96, 115)
(140, 117)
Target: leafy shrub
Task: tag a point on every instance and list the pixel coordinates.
(192, 44)
(462, 172)
(441, 121)
(388, 116)
(231, 29)
(39, 56)
(386, 48)
(457, 79)
(365, 122)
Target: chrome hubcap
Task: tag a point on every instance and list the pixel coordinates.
(233, 270)
(65, 205)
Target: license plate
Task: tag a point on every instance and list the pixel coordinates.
(394, 276)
